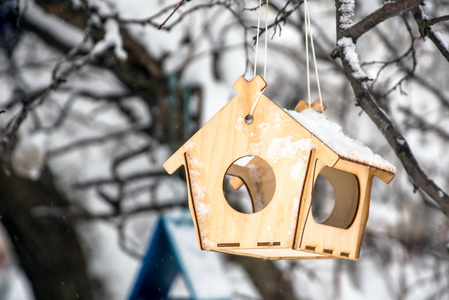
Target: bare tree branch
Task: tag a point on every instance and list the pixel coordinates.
(423, 124)
(426, 30)
(124, 179)
(388, 10)
(95, 140)
(78, 214)
(397, 142)
(28, 101)
(438, 20)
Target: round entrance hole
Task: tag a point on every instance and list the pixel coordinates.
(335, 198)
(323, 199)
(249, 184)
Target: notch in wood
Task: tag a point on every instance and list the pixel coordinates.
(328, 251)
(229, 245)
(268, 244)
(311, 248)
(344, 254)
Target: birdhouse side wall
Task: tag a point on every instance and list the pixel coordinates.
(330, 240)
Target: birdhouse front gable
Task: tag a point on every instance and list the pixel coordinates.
(275, 138)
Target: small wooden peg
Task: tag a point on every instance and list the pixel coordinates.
(315, 105)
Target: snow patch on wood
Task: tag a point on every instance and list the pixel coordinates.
(263, 128)
(298, 170)
(199, 194)
(254, 148)
(287, 147)
(293, 218)
(240, 123)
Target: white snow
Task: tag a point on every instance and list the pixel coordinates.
(112, 38)
(63, 31)
(293, 218)
(28, 157)
(332, 135)
(198, 187)
(254, 148)
(106, 255)
(346, 13)
(287, 147)
(298, 171)
(400, 141)
(351, 56)
(240, 123)
(263, 128)
(14, 284)
(204, 271)
(198, 190)
(199, 193)
(441, 40)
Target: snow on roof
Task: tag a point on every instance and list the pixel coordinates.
(333, 136)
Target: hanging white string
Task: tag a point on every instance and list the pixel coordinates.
(257, 48)
(257, 39)
(307, 26)
(306, 32)
(266, 42)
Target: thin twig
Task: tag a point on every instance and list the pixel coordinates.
(176, 8)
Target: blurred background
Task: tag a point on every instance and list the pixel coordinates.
(94, 98)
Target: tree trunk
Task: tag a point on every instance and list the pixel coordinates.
(48, 249)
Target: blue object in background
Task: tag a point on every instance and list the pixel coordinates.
(173, 250)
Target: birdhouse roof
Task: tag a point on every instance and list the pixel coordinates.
(325, 131)
(332, 135)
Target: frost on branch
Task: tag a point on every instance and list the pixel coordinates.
(346, 13)
(350, 55)
(112, 38)
(441, 40)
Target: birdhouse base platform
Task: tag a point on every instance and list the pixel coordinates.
(276, 254)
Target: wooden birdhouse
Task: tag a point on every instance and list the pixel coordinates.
(289, 150)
